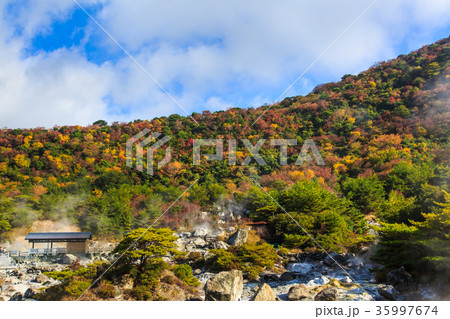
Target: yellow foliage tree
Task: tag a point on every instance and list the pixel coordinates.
(22, 161)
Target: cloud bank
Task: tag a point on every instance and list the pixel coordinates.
(207, 54)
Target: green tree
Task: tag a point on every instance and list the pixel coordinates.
(437, 223)
(207, 193)
(147, 245)
(100, 123)
(423, 248)
(250, 258)
(184, 272)
(261, 206)
(432, 69)
(310, 208)
(6, 205)
(397, 208)
(409, 178)
(401, 111)
(365, 193)
(111, 179)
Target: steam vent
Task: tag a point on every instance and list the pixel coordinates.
(76, 243)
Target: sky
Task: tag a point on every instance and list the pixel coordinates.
(58, 67)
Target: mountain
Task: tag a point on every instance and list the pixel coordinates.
(383, 135)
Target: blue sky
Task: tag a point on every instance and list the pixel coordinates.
(64, 34)
(57, 67)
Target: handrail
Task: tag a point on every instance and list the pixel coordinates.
(50, 251)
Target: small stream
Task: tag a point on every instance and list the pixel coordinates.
(315, 273)
(356, 280)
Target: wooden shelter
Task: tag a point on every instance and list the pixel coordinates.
(76, 242)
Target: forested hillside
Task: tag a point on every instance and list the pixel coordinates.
(383, 135)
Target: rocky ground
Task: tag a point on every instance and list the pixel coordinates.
(306, 276)
(22, 279)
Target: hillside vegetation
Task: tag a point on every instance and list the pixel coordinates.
(383, 135)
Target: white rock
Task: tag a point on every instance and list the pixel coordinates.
(218, 232)
(225, 286)
(302, 268)
(238, 238)
(200, 232)
(199, 242)
(345, 279)
(319, 281)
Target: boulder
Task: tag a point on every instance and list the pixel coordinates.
(346, 280)
(328, 294)
(226, 216)
(238, 238)
(181, 243)
(40, 279)
(401, 280)
(30, 293)
(200, 232)
(319, 281)
(286, 276)
(264, 293)
(331, 259)
(269, 276)
(16, 297)
(225, 286)
(197, 271)
(298, 292)
(343, 285)
(388, 292)
(68, 259)
(171, 292)
(219, 231)
(195, 298)
(328, 261)
(199, 242)
(302, 268)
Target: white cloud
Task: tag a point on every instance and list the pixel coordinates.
(208, 54)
